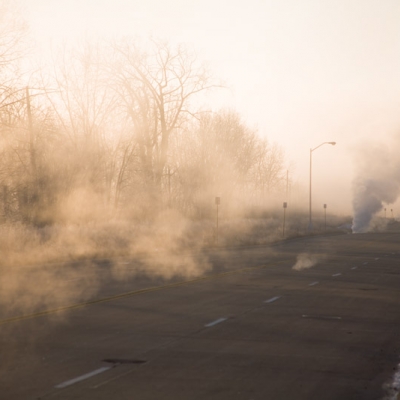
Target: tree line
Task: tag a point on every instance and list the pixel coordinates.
(119, 129)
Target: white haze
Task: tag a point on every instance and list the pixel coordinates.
(293, 76)
(377, 183)
(303, 72)
(305, 261)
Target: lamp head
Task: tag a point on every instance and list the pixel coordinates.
(332, 143)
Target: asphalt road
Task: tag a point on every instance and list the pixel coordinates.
(250, 327)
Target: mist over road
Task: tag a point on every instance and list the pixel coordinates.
(251, 327)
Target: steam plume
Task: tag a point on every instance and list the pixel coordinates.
(304, 261)
(378, 182)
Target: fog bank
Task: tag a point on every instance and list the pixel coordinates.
(377, 183)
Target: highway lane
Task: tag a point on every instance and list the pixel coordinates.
(53, 286)
(330, 331)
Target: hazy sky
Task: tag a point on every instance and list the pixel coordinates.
(302, 71)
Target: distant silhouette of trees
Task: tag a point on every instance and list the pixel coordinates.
(115, 129)
(221, 155)
(156, 87)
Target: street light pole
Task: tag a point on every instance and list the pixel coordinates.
(310, 225)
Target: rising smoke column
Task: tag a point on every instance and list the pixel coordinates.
(377, 182)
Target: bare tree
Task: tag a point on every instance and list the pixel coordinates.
(215, 157)
(12, 33)
(12, 105)
(122, 123)
(156, 88)
(268, 170)
(221, 155)
(84, 106)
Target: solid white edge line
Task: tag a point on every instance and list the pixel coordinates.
(82, 377)
(272, 299)
(217, 321)
(313, 283)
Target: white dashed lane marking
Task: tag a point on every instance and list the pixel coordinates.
(313, 283)
(354, 267)
(272, 299)
(337, 274)
(217, 321)
(82, 377)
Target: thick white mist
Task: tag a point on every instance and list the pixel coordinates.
(376, 184)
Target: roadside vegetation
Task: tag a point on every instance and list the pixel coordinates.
(111, 150)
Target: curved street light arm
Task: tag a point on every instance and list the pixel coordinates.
(315, 148)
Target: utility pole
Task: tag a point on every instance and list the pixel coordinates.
(31, 133)
(217, 203)
(31, 194)
(325, 214)
(284, 218)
